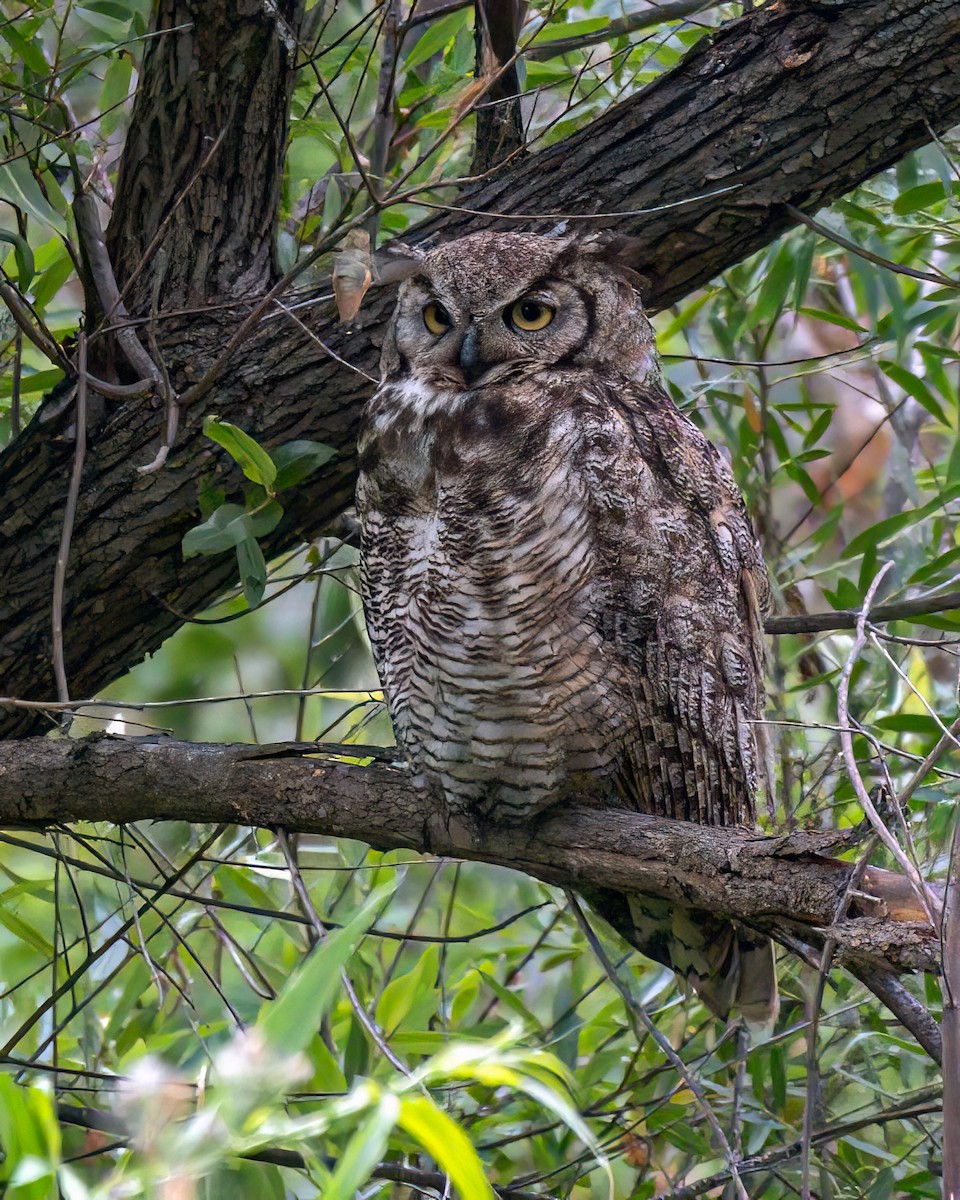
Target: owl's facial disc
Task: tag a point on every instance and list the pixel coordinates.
(460, 340)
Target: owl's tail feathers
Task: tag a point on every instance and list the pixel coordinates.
(746, 983)
(731, 968)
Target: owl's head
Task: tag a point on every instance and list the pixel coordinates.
(491, 306)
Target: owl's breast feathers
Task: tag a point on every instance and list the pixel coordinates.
(564, 595)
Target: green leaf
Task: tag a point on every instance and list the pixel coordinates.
(289, 1022)
(364, 1150)
(831, 318)
(559, 30)
(253, 570)
(914, 387)
(22, 929)
(296, 460)
(19, 188)
(413, 993)
(447, 1145)
(251, 457)
(437, 36)
(30, 1138)
(511, 1000)
(818, 428)
(32, 382)
(112, 30)
(54, 275)
(23, 255)
(773, 291)
(887, 528)
(778, 1079)
(685, 316)
(920, 197)
(28, 50)
(226, 527)
(939, 565)
(116, 88)
(795, 472)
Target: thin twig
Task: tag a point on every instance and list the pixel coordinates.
(656, 14)
(115, 936)
(171, 402)
(846, 743)
(912, 1015)
(383, 121)
(916, 1107)
(950, 974)
(323, 345)
(946, 742)
(904, 610)
(69, 517)
(877, 259)
(98, 263)
(30, 324)
(105, 1122)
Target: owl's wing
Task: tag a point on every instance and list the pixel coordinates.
(680, 600)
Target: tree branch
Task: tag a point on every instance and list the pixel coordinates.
(902, 610)
(786, 885)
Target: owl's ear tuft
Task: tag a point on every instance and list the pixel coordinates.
(621, 251)
(397, 261)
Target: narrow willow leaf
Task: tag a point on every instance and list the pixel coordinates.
(19, 188)
(289, 1022)
(914, 387)
(357, 1161)
(253, 570)
(23, 255)
(885, 529)
(447, 1145)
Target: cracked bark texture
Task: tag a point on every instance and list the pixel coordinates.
(782, 885)
(792, 103)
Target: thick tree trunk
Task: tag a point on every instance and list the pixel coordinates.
(203, 161)
(793, 103)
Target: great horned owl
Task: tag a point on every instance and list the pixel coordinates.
(562, 586)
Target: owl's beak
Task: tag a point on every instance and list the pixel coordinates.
(471, 363)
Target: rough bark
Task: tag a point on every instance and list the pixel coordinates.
(209, 120)
(784, 885)
(793, 103)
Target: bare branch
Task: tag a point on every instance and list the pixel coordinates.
(69, 516)
(831, 235)
(846, 743)
(649, 18)
(904, 610)
(951, 1027)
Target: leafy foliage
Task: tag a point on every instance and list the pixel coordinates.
(231, 993)
(231, 527)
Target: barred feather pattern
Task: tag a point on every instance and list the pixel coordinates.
(563, 590)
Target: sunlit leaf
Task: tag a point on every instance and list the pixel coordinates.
(251, 457)
(446, 1143)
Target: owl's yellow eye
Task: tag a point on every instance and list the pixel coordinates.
(531, 315)
(436, 318)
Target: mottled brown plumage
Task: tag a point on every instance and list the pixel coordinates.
(562, 586)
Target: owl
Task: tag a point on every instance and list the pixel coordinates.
(562, 587)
